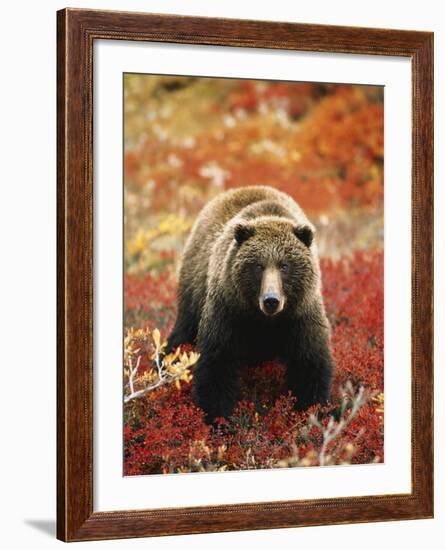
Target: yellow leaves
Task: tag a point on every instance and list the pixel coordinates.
(171, 357)
(177, 362)
(139, 243)
(178, 366)
(349, 450)
(202, 458)
(379, 399)
(311, 459)
(144, 351)
(156, 336)
(149, 376)
(155, 247)
(173, 225)
(220, 452)
(134, 342)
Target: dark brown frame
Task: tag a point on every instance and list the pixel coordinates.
(76, 32)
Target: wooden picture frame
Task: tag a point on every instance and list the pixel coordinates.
(76, 32)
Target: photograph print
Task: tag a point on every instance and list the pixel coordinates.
(253, 274)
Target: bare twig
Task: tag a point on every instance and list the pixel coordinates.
(334, 429)
(133, 372)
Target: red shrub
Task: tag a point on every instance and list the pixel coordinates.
(353, 291)
(150, 301)
(159, 431)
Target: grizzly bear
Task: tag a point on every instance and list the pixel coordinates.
(250, 291)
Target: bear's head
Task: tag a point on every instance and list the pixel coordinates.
(273, 268)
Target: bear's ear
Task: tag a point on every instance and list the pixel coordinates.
(243, 232)
(305, 234)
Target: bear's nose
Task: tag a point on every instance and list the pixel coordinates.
(271, 302)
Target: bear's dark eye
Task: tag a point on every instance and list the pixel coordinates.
(283, 267)
(258, 268)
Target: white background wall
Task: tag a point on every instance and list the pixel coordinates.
(28, 282)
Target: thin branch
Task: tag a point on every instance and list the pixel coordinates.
(133, 372)
(140, 393)
(162, 372)
(333, 430)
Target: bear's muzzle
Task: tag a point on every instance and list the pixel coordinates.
(271, 298)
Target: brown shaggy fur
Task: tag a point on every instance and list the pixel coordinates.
(237, 236)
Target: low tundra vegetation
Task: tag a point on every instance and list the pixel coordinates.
(187, 140)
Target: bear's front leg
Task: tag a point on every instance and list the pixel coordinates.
(215, 384)
(215, 377)
(309, 364)
(186, 325)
